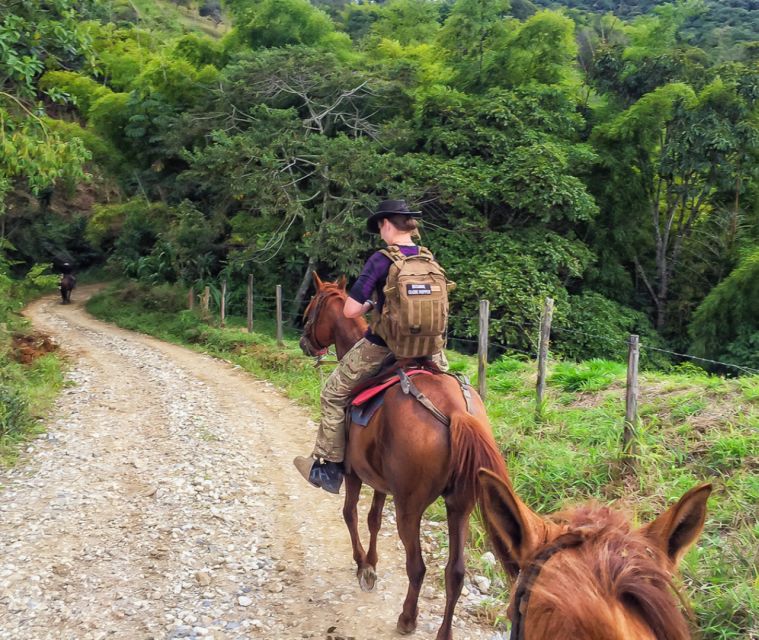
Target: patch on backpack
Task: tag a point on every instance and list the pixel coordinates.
(418, 289)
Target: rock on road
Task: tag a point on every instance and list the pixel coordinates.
(162, 503)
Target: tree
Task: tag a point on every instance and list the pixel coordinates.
(277, 23)
(679, 152)
(35, 36)
(469, 32)
(726, 324)
(542, 50)
(408, 21)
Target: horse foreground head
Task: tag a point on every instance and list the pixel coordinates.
(586, 574)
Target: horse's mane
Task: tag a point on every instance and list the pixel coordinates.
(328, 289)
(614, 569)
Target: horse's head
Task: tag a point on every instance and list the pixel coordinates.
(586, 573)
(325, 323)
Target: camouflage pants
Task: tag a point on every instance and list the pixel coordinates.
(363, 361)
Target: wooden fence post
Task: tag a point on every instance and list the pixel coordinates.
(280, 342)
(223, 305)
(482, 349)
(205, 300)
(631, 401)
(545, 339)
(250, 303)
(190, 299)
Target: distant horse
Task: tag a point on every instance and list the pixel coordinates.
(68, 282)
(586, 574)
(407, 452)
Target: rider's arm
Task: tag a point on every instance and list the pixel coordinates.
(354, 309)
(360, 295)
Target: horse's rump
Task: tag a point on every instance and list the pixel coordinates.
(404, 439)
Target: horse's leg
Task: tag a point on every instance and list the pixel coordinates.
(368, 577)
(350, 515)
(408, 529)
(63, 295)
(458, 526)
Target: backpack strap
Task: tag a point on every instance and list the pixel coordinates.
(398, 257)
(425, 253)
(394, 254)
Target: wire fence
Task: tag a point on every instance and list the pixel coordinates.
(265, 303)
(537, 333)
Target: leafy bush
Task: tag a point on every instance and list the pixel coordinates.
(84, 91)
(165, 297)
(13, 411)
(726, 324)
(515, 272)
(596, 327)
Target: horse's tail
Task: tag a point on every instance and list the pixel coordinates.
(473, 448)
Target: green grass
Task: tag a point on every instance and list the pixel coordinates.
(26, 394)
(591, 375)
(694, 428)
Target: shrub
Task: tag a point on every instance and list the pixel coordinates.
(84, 91)
(13, 411)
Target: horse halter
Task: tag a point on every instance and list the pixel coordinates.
(308, 342)
(529, 576)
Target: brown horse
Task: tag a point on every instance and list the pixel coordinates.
(68, 282)
(586, 574)
(405, 451)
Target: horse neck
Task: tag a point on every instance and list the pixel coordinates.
(346, 332)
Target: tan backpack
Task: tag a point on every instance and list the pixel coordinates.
(414, 316)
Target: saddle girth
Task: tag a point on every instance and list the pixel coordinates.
(361, 413)
(409, 388)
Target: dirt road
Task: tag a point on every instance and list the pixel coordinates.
(162, 503)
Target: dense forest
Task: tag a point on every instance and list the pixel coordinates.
(609, 161)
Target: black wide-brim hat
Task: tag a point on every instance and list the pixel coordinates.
(387, 209)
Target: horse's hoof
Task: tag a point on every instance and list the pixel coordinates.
(405, 627)
(367, 578)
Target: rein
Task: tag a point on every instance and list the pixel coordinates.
(529, 576)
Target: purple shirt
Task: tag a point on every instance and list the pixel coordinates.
(372, 279)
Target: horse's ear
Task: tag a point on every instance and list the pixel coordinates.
(342, 282)
(675, 530)
(317, 280)
(514, 529)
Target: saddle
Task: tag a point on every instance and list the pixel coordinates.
(369, 397)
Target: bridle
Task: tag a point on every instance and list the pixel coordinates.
(314, 308)
(529, 576)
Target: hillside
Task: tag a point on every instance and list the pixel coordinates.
(723, 27)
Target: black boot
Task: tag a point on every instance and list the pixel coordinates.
(326, 475)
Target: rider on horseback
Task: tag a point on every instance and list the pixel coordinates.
(397, 226)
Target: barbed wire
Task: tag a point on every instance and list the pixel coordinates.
(521, 325)
(698, 358)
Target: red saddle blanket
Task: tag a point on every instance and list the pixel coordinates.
(368, 394)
